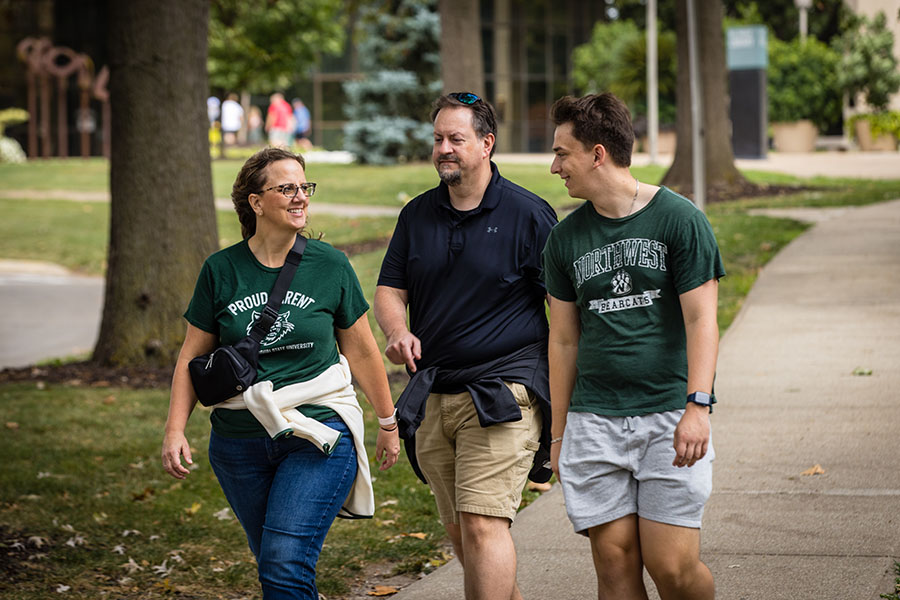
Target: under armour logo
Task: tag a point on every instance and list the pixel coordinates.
(492, 230)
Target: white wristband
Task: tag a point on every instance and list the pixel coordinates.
(391, 420)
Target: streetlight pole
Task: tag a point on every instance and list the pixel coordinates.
(652, 82)
(803, 7)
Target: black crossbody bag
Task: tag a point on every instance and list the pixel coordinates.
(229, 370)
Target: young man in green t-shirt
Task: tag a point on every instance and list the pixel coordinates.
(633, 279)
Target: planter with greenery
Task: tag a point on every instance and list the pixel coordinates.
(868, 71)
(804, 97)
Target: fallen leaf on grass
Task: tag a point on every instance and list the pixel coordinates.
(193, 509)
(143, 495)
(814, 470)
(383, 590)
(223, 515)
(12, 425)
(417, 535)
(131, 566)
(163, 570)
(62, 589)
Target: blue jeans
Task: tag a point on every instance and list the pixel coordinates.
(286, 494)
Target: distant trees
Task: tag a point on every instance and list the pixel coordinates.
(388, 110)
(615, 60)
(262, 45)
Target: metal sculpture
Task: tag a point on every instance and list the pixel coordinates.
(43, 61)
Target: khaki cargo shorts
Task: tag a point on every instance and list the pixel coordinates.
(476, 469)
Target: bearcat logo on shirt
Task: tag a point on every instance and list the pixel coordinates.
(280, 328)
(621, 282)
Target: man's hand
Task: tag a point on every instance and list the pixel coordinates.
(691, 436)
(404, 348)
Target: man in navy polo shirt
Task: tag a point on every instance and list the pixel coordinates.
(465, 260)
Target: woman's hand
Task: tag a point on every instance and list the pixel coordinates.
(174, 446)
(182, 401)
(387, 448)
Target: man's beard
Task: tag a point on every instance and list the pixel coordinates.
(450, 177)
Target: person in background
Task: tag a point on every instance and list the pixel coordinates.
(302, 124)
(633, 281)
(286, 473)
(279, 121)
(232, 119)
(254, 126)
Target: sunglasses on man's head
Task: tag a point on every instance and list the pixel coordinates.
(467, 98)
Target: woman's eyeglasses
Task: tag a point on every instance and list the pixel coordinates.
(466, 98)
(290, 190)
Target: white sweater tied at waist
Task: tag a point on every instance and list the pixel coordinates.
(277, 411)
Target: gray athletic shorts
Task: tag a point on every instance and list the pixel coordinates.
(611, 467)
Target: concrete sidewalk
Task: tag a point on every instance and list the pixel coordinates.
(827, 305)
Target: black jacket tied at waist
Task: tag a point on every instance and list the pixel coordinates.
(494, 401)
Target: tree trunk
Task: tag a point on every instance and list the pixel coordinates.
(162, 218)
(462, 64)
(721, 173)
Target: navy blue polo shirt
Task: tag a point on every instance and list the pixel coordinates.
(473, 278)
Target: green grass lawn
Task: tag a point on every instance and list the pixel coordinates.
(84, 503)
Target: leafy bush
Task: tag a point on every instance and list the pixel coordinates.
(868, 65)
(803, 82)
(10, 150)
(388, 110)
(615, 60)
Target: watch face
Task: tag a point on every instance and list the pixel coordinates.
(700, 398)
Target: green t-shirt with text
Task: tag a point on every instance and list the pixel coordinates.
(625, 276)
(231, 292)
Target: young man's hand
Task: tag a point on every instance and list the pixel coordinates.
(691, 436)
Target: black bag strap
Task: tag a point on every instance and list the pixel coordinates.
(279, 290)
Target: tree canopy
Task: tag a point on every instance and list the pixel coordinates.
(261, 45)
